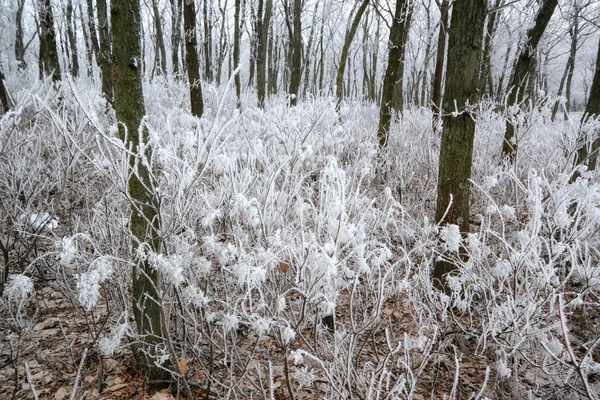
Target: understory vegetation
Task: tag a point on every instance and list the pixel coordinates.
(296, 255)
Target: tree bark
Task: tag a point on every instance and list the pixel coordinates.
(588, 143)
(93, 38)
(263, 24)
(105, 50)
(350, 33)
(191, 58)
(144, 221)
(160, 42)
(574, 33)
(48, 49)
(222, 43)
(391, 73)
(175, 35)
(296, 46)
(485, 85)
(207, 39)
(19, 46)
(4, 98)
(236, 51)
(521, 76)
(72, 36)
(438, 77)
(456, 152)
(398, 102)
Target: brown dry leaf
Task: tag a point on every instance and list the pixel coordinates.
(284, 266)
(162, 395)
(183, 366)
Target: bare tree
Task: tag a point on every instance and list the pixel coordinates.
(191, 58)
(456, 152)
(521, 75)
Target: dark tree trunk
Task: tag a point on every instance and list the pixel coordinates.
(191, 58)
(391, 73)
(72, 35)
(458, 134)
(236, 51)
(344, 55)
(309, 51)
(4, 98)
(48, 49)
(175, 35)
(19, 46)
(160, 42)
(485, 85)
(588, 144)
(521, 77)
(561, 86)
(574, 32)
(222, 43)
(398, 102)
(263, 23)
(105, 50)
(144, 222)
(438, 77)
(296, 46)
(207, 13)
(95, 46)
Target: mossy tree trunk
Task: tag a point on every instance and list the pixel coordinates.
(521, 74)
(391, 73)
(588, 144)
(191, 58)
(48, 49)
(144, 222)
(296, 47)
(350, 33)
(461, 91)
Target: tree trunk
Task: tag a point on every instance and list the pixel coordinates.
(438, 78)
(261, 54)
(175, 35)
(458, 134)
(92, 24)
(105, 50)
(398, 101)
(309, 50)
(236, 51)
(344, 55)
(48, 49)
(486, 66)
(520, 76)
(144, 222)
(561, 86)
(588, 144)
(4, 98)
(191, 58)
(391, 73)
(574, 32)
(160, 42)
(72, 36)
(207, 39)
(296, 46)
(19, 46)
(222, 43)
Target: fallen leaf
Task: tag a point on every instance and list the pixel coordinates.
(284, 266)
(183, 365)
